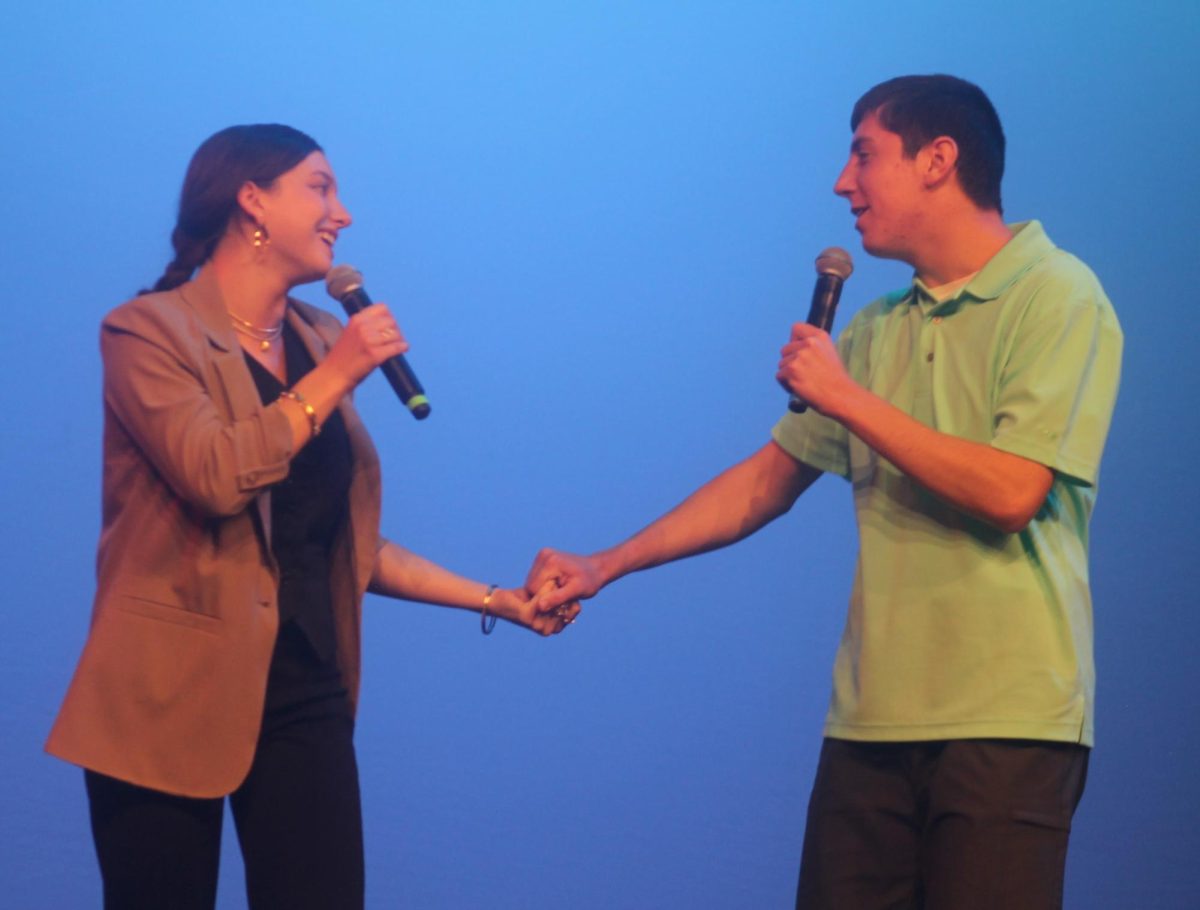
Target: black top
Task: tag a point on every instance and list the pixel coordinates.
(308, 507)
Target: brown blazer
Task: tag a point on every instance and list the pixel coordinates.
(169, 689)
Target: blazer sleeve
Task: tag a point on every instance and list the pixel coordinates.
(192, 410)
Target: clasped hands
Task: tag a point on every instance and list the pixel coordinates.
(548, 602)
(553, 589)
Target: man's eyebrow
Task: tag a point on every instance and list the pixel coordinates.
(858, 143)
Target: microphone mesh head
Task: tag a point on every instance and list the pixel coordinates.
(835, 261)
(341, 280)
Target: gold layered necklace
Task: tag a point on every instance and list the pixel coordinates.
(264, 337)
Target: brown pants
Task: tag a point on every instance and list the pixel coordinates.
(946, 825)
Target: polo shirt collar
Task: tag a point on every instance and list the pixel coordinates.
(1028, 245)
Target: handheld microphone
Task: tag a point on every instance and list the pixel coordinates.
(834, 266)
(345, 285)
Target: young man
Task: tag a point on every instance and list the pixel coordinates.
(969, 412)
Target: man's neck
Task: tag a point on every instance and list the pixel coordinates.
(960, 245)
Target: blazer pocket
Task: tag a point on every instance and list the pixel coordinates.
(1060, 821)
(151, 608)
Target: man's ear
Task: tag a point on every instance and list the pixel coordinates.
(939, 161)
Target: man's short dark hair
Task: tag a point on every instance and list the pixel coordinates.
(921, 108)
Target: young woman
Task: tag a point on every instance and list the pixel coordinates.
(241, 502)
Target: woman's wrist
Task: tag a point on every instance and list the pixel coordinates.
(489, 610)
(327, 382)
(501, 602)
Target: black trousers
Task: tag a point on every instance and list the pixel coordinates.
(298, 813)
(947, 825)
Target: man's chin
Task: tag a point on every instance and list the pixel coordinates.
(881, 250)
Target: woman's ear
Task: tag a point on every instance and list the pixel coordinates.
(251, 202)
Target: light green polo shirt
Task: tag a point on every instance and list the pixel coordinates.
(955, 629)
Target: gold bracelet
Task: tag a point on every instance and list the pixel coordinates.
(484, 626)
(309, 411)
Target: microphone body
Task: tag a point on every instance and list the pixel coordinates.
(833, 268)
(344, 284)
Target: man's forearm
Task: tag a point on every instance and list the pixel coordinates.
(729, 507)
(1000, 488)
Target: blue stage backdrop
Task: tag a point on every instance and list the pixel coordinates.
(597, 222)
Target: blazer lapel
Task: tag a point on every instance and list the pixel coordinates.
(242, 399)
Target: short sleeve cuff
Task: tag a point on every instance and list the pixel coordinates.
(815, 440)
(1047, 454)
